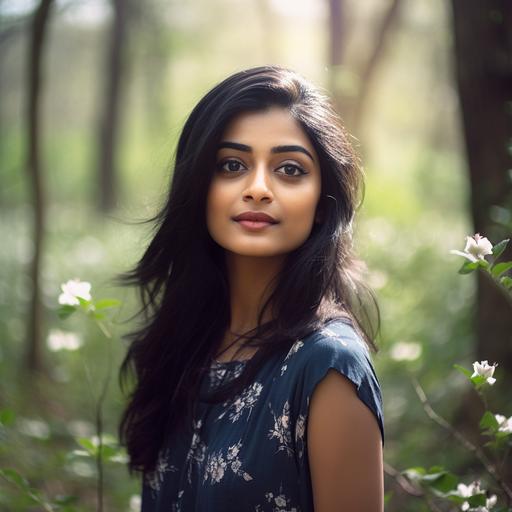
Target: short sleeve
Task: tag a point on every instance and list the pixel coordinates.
(339, 347)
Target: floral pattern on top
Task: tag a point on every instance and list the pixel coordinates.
(243, 402)
(300, 430)
(281, 430)
(219, 462)
(279, 502)
(155, 478)
(250, 452)
(293, 350)
(197, 451)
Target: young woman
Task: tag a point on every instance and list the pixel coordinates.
(254, 388)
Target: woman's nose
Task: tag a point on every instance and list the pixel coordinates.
(258, 187)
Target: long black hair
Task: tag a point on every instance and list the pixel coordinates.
(182, 276)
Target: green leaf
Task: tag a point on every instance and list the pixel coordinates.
(454, 497)
(506, 282)
(440, 480)
(89, 445)
(65, 311)
(468, 267)
(437, 479)
(444, 482)
(501, 268)
(463, 370)
(7, 417)
(415, 473)
(498, 249)
(478, 500)
(488, 421)
(107, 452)
(107, 303)
(85, 304)
(97, 315)
(15, 478)
(483, 263)
(478, 380)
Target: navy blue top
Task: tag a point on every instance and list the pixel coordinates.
(250, 452)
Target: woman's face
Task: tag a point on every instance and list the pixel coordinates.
(265, 189)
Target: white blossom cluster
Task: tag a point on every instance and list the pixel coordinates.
(466, 491)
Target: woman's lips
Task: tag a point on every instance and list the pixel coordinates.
(255, 221)
(254, 225)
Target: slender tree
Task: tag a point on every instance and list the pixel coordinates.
(35, 174)
(483, 64)
(371, 65)
(336, 46)
(110, 109)
(352, 105)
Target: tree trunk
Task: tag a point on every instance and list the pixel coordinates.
(336, 45)
(483, 61)
(371, 65)
(34, 169)
(109, 123)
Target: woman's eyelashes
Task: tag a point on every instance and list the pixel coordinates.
(291, 170)
(232, 166)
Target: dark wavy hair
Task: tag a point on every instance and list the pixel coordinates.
(182, 279)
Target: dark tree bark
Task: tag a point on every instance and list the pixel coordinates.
(109, 115)
(483, 62)
(34, 169)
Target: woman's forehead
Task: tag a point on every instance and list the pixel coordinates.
(275, 125)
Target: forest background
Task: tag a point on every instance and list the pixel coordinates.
(93, 96)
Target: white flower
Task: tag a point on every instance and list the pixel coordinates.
(466, 491)
(135, 503)
(73, 289)
(62, 340)
(490, 502)
(483, 369)
(505, 424)
(477, 247)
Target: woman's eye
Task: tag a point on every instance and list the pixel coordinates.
(230, 166)
(292, 170)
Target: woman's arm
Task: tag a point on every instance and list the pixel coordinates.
(344, 449)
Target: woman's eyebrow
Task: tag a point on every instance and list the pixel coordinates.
(277, 149)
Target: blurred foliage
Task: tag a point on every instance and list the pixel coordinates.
(415, 211)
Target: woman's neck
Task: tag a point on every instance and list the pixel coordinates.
(251, 281)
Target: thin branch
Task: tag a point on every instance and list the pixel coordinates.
(400, 479)
(410, 488)
(479, 454)
(99, 426)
